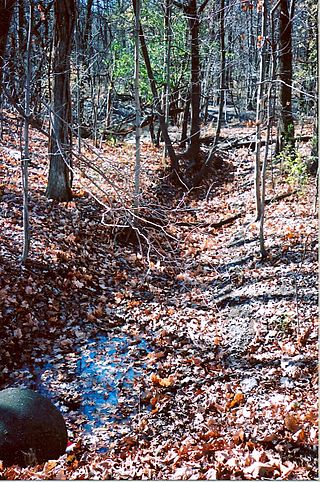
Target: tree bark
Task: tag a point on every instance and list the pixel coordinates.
(286, 127)
(59, 182)
(85, 51)
(159, 112)
(26, 154)
(260, 113)
(222, 89)
(184, 131)
(6, 11)
(137, 167)
(194, 25)
(167, 62)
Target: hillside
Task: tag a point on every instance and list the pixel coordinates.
(173, 351)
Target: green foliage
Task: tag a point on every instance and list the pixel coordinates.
(314, 144)
(294, 165)
(123, 53)
(111, 140)
(283, 323)
(288, 136)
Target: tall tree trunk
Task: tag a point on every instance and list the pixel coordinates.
(160, 114)
(286, 127)
(186, 113)
(26, 154)
(78, 77)
(6, 11)
(270, 114)
(222, 89)
(59, 182)
(22, 41)
(194, 24)
(85, 51)
(136, 197)
(167, 61)
(260, 112)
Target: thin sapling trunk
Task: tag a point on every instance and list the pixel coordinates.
(138, 110)
(26, 155)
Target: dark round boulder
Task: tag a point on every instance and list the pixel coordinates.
(32, 430)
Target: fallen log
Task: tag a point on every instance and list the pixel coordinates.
(234, 217)
(249, 142)
(280, 197)
(211, 226)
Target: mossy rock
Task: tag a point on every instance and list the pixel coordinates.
(32, 430)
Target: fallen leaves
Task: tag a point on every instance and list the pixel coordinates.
(236, 400)
(163, 382)
(214, 399)
(292, 423)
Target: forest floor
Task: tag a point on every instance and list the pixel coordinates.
(173, 350)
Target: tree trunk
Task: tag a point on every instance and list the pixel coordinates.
(184, 131)
(6, 11)
(59, 182)
(194, 24)
(260, 113)
(26, 155)
(85, 56)
(269, 114)
(160, 114)
(286, 127)
(167, 62)
(136, 197)
(222, 89)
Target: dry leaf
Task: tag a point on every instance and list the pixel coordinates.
(239, 437)
(17, 333)
(163, 382)
(299, 436)
(51, 464)
(211, 474)
(210, 434)
(259, 470)
(292, 423)
(237, 399)
(287, 468)
(78, 283)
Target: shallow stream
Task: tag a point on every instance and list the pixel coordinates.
(97, 386)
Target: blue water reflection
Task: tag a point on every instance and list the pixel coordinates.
(106, 373)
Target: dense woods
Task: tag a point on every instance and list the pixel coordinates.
(158, 217)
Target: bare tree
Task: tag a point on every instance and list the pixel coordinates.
(137, 106)
(167, 60)
(6, 11)
(59, 182)
(222, 89)
(286, 127)
(260, 110)
(193, 12)
(26, 154)
(159, 112)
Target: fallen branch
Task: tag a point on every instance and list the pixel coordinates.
(234, 217)
(212, 226)
(225, 221)
(251, 142)
(148, 120)
(280, 196)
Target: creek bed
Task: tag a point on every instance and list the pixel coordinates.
(97, 386)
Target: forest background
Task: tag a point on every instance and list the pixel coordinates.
(158, 189)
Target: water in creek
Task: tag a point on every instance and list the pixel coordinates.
(107, 375)
(96, 386)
